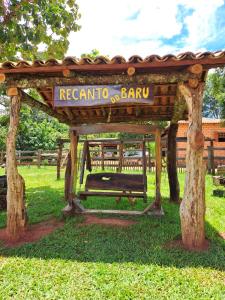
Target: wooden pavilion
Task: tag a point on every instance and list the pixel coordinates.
(100, 95)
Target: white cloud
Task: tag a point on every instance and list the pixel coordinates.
(107, 26)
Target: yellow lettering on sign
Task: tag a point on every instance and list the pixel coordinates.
(138, 93)
(123, 93)
(83, 94)
(91, 94)
(62, 94)
(131, 93)
(145, 92)
(105, 93)
(68, 94)
(73, 94)
(99, 92)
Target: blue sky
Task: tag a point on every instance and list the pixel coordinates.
(144, 27)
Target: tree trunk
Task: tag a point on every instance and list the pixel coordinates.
(172, 163)
(192, 209)
(16, 211)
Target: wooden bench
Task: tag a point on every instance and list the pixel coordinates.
(119, 185)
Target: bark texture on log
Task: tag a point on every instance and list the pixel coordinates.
(172, 163)
(16, 210)
(33, 81)
(192, 209)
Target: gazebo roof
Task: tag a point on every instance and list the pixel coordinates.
(164, 73)
(208, 59)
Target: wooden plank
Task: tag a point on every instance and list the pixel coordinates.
(95, 95)
(113, 212)
(112, 194)
(115, 182)
(114, 127)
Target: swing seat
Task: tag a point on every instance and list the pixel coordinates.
(118, 184)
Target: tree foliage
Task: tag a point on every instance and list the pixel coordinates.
(36, 28)
(36, 130)
(211, 106)
(214, 96)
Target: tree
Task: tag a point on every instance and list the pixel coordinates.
(93, 54)
(214, 96)
(27, 26)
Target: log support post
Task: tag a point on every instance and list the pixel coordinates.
(192, 208)
(158, 159)
(71, 177)
(172, 163)
(16, 210)
(155, 207)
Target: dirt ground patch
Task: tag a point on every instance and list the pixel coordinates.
(33, 233)
(179, 245)
(90, 219)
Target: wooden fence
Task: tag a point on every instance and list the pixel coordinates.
(214, 157)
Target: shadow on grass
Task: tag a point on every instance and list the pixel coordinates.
(142, 243)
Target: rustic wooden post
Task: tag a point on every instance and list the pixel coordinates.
(71, 174)
(67, 178)
(74, 160)
(172, 163)
(212, 158)
(59, 158)
(120, 166)
(16, 210)
(209, 160)
(149, 159)
(158, 170)
(192, 209)
(102, 156)
(144, 169)
(39, 158)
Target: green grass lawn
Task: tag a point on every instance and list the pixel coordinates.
(99, 262)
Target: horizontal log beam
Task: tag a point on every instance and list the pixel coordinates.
(27, 99)
(114, 127)
(32, 81)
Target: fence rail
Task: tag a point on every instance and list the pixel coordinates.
(213, 156)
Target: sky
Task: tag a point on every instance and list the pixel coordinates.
(145, 27)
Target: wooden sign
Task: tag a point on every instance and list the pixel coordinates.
(92, 95)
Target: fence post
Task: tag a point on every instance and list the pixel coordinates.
(59, 158)
(39, 158)
(102, 156)
(211, 163)
(149, 159)
(120, 165)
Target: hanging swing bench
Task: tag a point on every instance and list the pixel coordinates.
(110, 184)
